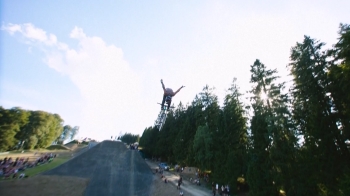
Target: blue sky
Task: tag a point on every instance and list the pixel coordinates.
(98, 64)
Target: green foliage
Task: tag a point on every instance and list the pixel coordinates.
(129, 138)
(260, 169)
(203, 147)
(344, 183)
(11, 122)
(28, 129)
(64, 135)
(31, 142)
(7, 137)
(314, 114)
(231, 140)
(339, 76)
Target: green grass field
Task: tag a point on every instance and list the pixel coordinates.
(30, 172)
(63, 155)
(45, 167)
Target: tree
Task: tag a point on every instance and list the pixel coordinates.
(7, 137)
(234, 137)
(339, 88)
(211, 112)
(74, 132)
(65, 134)
(284, 147)
(203, 147)
(146, 140)
(259, 175)
(52, 129)
(324, 151)
(187, 121)
(11, 122)
(339, 76)
(41, 130)
(129, 138)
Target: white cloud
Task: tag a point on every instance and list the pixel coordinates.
(11, 28)
(106, 82)
(77, 33)
(30, 32)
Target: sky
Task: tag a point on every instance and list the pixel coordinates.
(98, 64)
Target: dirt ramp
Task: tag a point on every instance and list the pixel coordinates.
(111, 168)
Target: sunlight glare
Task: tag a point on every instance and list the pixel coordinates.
(263, 96)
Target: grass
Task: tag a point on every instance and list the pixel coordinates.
(63, 155)
(45, 167)
(30, 172)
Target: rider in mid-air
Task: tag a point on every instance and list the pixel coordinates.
(168, 92)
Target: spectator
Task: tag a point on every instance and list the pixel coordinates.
(213, 188)
(227, 190)
(179, 182)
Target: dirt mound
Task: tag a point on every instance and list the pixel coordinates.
(107, 164)
(71, 146)
(57, 147)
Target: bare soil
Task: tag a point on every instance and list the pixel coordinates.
(159, 188)
(45, 185)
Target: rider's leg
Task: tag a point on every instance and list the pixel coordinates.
(169, 103)
(163, 101)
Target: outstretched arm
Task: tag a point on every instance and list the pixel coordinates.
(161, 81)
(178, 90)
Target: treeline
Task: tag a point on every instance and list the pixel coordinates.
(25, 129)
(295, 140)
(129, 138)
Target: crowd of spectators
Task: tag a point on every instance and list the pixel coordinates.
(224, 190)
(133, 146)
(14, 168)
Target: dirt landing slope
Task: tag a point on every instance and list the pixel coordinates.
(111, 168)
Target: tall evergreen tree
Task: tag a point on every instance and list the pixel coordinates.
(211, 113)
(323, 146)
(203, 147)
(339, 75)
(259, 175)
(284, 147)
(146, 140)
(187, 121)
(233, 137)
